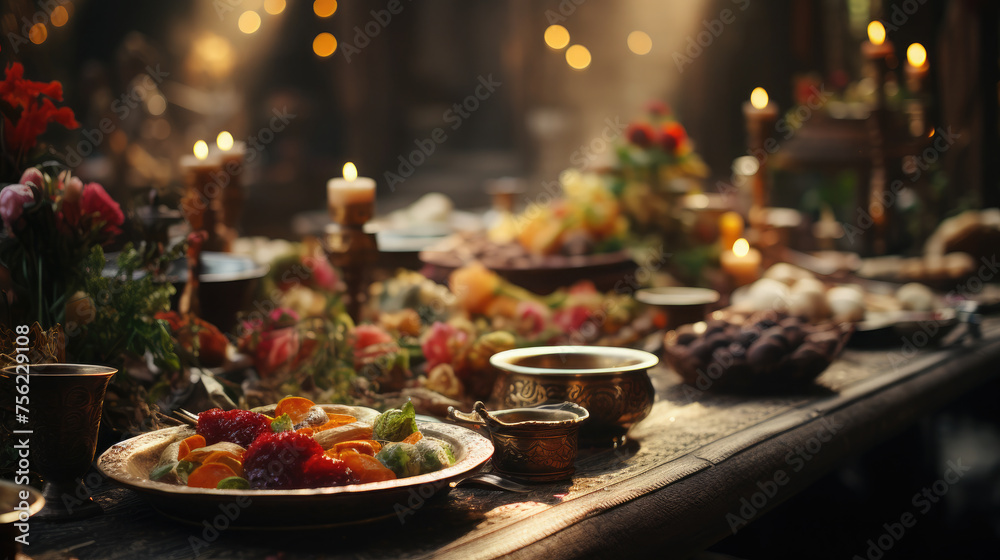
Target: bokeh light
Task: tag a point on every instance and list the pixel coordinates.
(325, 8)
(758, 98)
(578, 57)
(249, 22)
(59, 16)
(274, 7)
(639, 42)
(741, 247)
(556, 37)
(156, 104)
(38, 33)
(324, 44)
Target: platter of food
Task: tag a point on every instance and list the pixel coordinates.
(351, 465)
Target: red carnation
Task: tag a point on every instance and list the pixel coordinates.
(36, 111)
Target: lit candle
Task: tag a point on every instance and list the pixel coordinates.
(200, 202)
(231, 154)
(760, 115)
(351, 199)
(877, 47)
(730, 229)
(916, 66)
(742, 263)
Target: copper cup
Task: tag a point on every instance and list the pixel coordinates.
(63, 414)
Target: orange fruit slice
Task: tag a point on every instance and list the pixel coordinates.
(225, 458)
(189, 444)
(367, 468)
(336, 420)
(296, 407)
(413, 438)
(209, 475)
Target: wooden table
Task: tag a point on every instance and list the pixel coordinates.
(699, 466)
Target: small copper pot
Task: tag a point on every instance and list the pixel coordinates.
(535, 444)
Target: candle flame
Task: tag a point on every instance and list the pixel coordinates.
(350, 171)
(741, 247)
(201, 149)
(224, 141)
(876, 32)
(916, 55)
(758, 98)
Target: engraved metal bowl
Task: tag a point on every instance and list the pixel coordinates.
(536, 444)
(611, 383)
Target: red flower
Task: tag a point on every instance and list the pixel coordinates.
(371, 343)
(36, 111)
(323, 275)
(672, 135)
(96, 202)
(532, 317)
(641, 134)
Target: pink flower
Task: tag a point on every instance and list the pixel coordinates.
(442, 344)
(96, 201)
(282, 317)
(276, 349)
(371, 343)
(13, 198)
(323, 275)
(571, 319)
(33, 176)
(532, 317)
(369, 335)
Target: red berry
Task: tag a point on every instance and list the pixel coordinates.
(238, 426)
(277, 461)
(321, 470)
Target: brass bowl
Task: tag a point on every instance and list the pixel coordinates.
(535, 444)
(611, 383)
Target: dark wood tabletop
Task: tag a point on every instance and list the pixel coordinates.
(699, 467)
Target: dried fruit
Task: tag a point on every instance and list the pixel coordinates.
(238, 426)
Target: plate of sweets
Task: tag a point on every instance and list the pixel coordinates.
(296, 464)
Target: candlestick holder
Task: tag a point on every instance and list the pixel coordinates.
(348, 246)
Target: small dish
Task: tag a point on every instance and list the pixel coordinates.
(683, 305)
(535, 444)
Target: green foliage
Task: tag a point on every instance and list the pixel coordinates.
(119, 318)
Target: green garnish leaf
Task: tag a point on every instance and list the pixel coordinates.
(395, 424)
(233, 483)
(162, 471)
(282, 423)
(184, 468)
